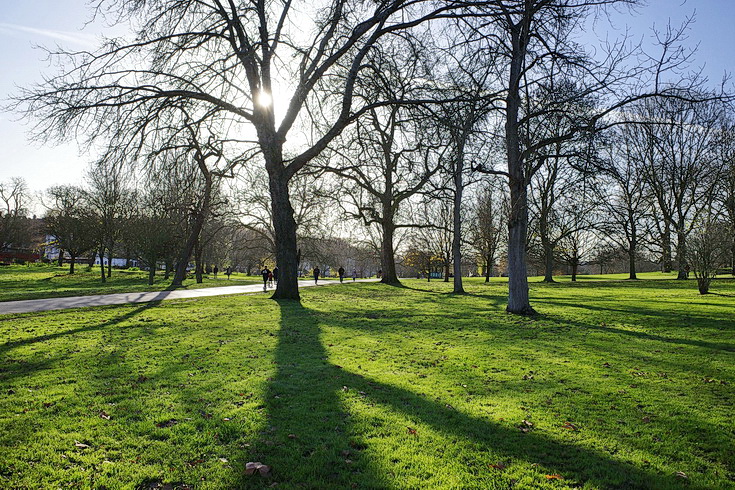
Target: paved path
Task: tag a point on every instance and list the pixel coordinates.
(34, 305)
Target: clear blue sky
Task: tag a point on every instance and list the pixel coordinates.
(24, 24)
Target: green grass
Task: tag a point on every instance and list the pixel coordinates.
(48, 281)
(370, 386)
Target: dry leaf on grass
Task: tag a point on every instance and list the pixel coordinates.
(257, 467)
(554, 477)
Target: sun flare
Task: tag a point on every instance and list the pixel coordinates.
(264, 99)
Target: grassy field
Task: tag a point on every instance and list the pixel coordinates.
(615, 384)
(20, 282)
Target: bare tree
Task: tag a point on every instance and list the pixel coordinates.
(623, 195)
(707, 250)
(390, 155)
(680, 166)
(536, 38)
(490, 221)
(68, 221)
(236, 58)
(14, 201)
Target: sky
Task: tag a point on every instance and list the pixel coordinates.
(25, 25)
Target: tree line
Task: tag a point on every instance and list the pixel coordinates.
(403, 113)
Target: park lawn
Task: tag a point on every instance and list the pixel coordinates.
(20, 282)
(614, 384)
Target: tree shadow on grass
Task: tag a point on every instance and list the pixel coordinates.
(24, 368)
(310, 433)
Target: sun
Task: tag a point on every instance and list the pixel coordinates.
(264, 99)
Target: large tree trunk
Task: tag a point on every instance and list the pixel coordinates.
(387, 252)
(61, 257)
(284, 226)
(168, 266)
(631, 263)
(575, 265)
(518, 301)
(488, 266)
(447, 263)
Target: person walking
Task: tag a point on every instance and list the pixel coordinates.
(354, 275)
(228, 272)
(265, 273)
(270, 279)
(341, 272)
(275, 274)
(316, 275)
(216, 270)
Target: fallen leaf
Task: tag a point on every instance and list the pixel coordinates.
(498, 466)
(554, 477)
(570, 426)
(646, 420)
(292, 436)
(412, 431)
(260, 468)
(682, 475)
(224, 460)
(167, 423)
(81, 445)
(526, 426)
(205, 414)
(104, 415)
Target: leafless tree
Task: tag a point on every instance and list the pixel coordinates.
(536, 38)
(14, 202)
(68, 221)
(490, 222)
(708, 249)
(680, 165)
(240, 59)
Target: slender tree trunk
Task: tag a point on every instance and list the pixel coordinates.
(167, 269)
(109, 261)
(666, 247)
(733, 254)
(548, 261)
(681, 253)
(284, 226)
(196, 231)
(199, 267)
(61, 257)
(457, 225)
(575, 265)
(152, 270)
(447, 263)
(72, 262)
(488, 266)
(101, 254)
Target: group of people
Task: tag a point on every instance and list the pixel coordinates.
(269, 277)
(340, 271)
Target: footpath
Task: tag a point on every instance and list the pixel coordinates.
(46, 304)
